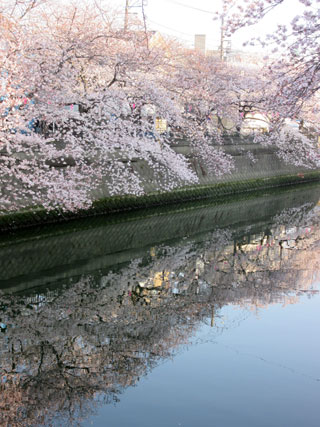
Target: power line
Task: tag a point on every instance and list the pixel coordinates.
(191, 7)
(189, 41)
(222, 36)
(172, 29)
(212, 43)
(208, 39)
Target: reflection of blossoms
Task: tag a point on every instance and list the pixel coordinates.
(299, 217)
(64, 349)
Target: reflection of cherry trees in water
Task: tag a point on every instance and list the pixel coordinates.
(65, 350)
(58, 358)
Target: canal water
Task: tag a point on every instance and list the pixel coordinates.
(204, 314)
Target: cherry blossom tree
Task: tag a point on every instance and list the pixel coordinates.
(79, 100)
(89, 86)
(292, 74)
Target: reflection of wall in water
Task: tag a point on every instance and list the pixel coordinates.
(64, 252)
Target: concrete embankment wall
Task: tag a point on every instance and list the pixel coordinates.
(262, 164)
(261, 170)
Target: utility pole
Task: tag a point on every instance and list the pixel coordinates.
(143, 3)
(140, 4)
(126, 15)
(222, 39)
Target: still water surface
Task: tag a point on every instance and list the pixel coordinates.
(206, 316)
(263, 370)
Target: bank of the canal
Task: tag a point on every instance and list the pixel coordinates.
(259, 171)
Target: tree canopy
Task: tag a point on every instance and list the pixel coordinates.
(80, 96)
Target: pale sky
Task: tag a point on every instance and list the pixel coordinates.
(183, 19)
